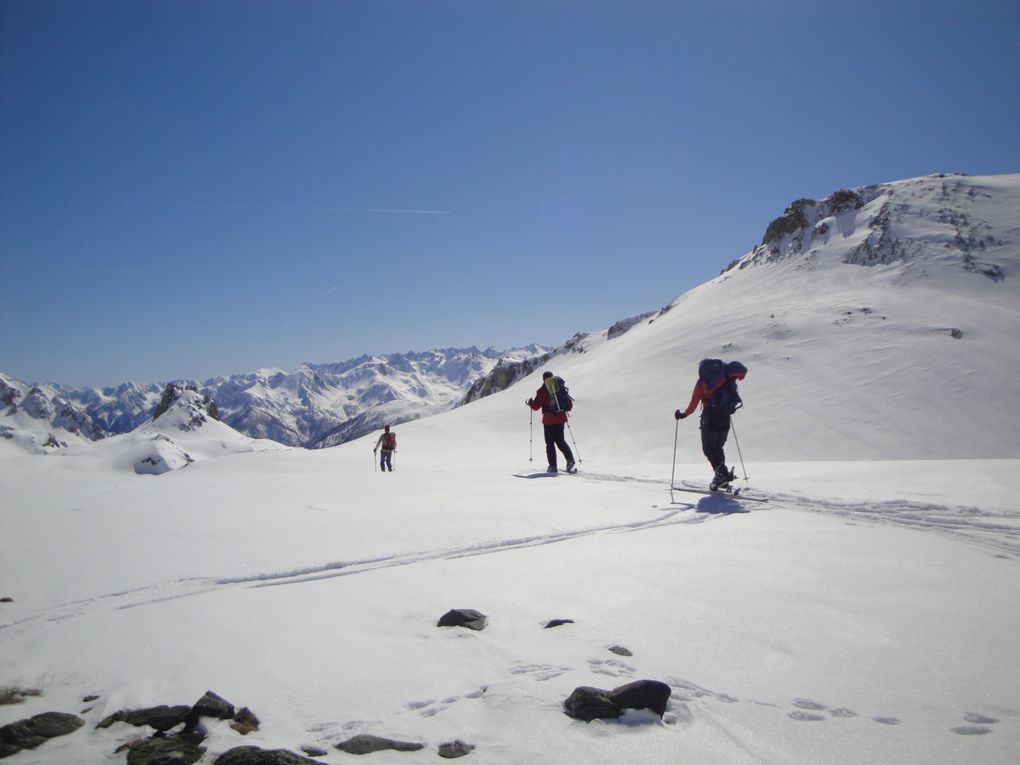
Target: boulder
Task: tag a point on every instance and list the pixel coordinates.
(587, 703)
(252, 755)
(463, 617)
(164, 750)
(642, 694)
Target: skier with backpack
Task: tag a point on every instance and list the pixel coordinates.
(554, 401)
(716, 391)
(388, 444)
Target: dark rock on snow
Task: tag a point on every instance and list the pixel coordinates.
(463, 617)
(558, 623)
(34, 731)
(365, 744)
(252, 755)
(587, 703)
(165, 750)
(162, 717)
(454, 749)
(210, 705)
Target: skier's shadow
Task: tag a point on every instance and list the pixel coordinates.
(716, 504)
(721, 504)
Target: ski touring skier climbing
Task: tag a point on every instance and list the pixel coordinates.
(555, 402)
(386, 445)
(716, 391)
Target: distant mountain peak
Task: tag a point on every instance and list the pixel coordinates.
(901, 222)
(185, 407)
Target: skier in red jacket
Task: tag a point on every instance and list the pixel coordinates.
(715, 415)
(553, 423)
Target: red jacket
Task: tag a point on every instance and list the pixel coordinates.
(541, 401)
(699, 396)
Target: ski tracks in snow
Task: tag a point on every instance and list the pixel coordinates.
(191, 586)
(999, 532)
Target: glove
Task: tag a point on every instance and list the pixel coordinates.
(679, 415)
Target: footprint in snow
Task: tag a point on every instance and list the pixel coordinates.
(978, 728)
(611, 667)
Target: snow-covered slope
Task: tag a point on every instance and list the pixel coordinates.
(887, 325)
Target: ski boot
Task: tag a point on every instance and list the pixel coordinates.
(721, 479)
(551, 469)
(570, 467)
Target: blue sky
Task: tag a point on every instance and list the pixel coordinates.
(196, 188)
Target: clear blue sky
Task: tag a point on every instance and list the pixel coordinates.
(192, 188)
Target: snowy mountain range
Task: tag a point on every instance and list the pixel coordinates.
(911, 278)
(315, 405)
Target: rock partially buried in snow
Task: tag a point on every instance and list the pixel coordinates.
(165, 750)
(35, 731)
(252, 755)
(463, 617)
(366, 744)
(587, 703)
(454, 749)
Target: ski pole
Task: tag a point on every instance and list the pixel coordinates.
(574, 440)
(672, 475)
(739, 454)
(531, 438)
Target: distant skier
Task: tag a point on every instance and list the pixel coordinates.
(553, 400)
(387, 443)
(716, 391)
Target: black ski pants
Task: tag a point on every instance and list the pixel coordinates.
(554, 438)
(714, 432)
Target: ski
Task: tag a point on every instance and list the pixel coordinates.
(723, 491)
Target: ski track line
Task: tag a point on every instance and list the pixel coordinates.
(998, 531)
(187, 587)
(967, 524)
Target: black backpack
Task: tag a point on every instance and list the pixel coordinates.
(721, 383)
(559, 397)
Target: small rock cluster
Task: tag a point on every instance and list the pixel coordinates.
(183, 746)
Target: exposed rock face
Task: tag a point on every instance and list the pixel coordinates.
(877, 222)
(203, 406)
(503, 375)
